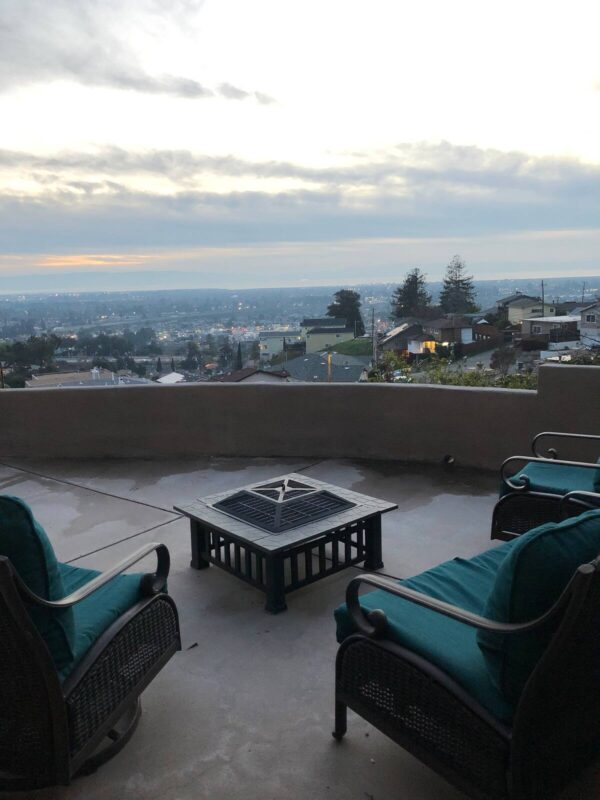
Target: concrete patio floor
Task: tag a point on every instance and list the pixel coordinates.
(245, 710)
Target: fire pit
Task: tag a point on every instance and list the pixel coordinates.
(286, 533)
(282, 505)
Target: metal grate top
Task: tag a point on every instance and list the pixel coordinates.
(259, 507)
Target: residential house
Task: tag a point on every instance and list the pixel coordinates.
(271, 343)
(420, 344)
(324, 338)
(552, 329)
(404, 338)
(518, 306)
(484, 332)
(449, 330)
(589, 325)
(310, 323)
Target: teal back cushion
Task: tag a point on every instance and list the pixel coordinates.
(529, 581)
(24, 542)
(597, 477)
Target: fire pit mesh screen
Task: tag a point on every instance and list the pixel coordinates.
(276, 516)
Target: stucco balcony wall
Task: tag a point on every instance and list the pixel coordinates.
(478, 427)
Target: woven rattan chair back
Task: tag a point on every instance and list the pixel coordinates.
(32, 714)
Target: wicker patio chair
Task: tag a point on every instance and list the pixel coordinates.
(503, 705)
(78, 648)
(547, 479)
(519, 512)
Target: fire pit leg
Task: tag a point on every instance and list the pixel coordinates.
(200, 542)
(373, 555)
(275, 584)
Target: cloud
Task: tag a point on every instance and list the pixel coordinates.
(87, 41)
(407, 170)
(100, 200)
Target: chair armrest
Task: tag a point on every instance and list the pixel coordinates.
(374, 623)
(589, 501)
(559, 435)
(151, 583)
(524, 481)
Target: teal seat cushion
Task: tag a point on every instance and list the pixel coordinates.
(447, 643)
(25, 543)
(557, 478)
(530, 580)
(97, 612)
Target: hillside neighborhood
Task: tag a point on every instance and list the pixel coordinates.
(447, 341)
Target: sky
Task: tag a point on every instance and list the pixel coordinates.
(281, 143)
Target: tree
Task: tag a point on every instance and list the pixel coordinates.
(172, 364)
(158, 365)
(192, 357)
(239, 361)
(392, 368)
(211, 345)
(225, 354)
(412, 298)
(458, 293)
(502, 360)
(346, 304)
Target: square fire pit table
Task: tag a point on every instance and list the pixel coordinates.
(286, 533)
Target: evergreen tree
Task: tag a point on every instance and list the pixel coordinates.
(458, 293)
(172, 364)
(225, 354)
(412, 298)
(239, 361)
(192, 358)
(346, 304)
(158, 365)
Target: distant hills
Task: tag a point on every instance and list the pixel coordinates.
(488, 291)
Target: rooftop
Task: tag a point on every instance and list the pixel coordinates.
(239, 375)
(323, 366)
(517, 297)
(329, 329)
(448, 322)
(93, 377)
(561, 320)
(245, 710)
(323, 322)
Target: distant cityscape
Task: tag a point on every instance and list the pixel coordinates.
(498, 335)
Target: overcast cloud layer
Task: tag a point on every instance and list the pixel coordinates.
(78, 200)
(144, 134)
(87, 41)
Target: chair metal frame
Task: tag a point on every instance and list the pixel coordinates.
(514, 513)
(556, 728)
(54, 731)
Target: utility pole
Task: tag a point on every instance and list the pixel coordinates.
(583, 293)
(373, 336)
(543, 303)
